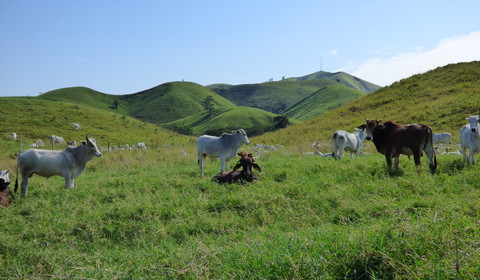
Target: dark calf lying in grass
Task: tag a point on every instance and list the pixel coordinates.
(247, 162)
(5, 193)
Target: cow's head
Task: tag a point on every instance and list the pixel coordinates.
(473, 120)
(370, 127)
(92, 146)
(242, 135)
(361, 131)
(247, 162)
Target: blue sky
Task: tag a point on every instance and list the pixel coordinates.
(122, 47)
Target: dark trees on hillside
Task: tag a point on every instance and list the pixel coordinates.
(281, 121)
(208, 104)
(114, 104)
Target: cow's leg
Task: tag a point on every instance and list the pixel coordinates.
(24, 183)
(464, 153)
(472, 155)
(388, 157)
(201, 162)
(222, 164)
(227, 163)
(68, 181)
(416, 159)
(396, 162)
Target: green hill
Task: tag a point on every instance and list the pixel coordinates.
(159, 105)
(441, 98)
(277, 97)
(343, 78)
(32, 118)
(254, 121)
(323, 100)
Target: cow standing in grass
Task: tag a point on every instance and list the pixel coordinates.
(68, 163)
(224, 147)
(470, 138)
(393, 139)
(345, 141)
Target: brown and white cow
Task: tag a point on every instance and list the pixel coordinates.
(393, 139)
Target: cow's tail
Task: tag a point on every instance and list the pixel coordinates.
(334, 144)
(429, 146)
(16, 174)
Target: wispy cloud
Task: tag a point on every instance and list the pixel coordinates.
(402, 65)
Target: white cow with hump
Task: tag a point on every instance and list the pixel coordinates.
(345, 141)
(68, 163)
(470, 138)
(224, 147)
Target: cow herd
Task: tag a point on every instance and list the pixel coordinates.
(390, 139)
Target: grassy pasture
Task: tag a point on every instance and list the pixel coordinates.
(148, 215)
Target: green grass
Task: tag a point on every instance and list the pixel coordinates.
(134, 216)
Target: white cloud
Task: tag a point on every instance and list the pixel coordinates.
(383, 72)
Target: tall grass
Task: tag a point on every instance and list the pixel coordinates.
(147, 214)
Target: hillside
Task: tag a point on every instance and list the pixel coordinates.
(321, 101)
(343, 78)
(33, 118)
(161, 104)
(279, 96)
(441, 98)
(254, 121)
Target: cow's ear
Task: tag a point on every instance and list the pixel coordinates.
(256, 166)
(363, 126)
(239, 164)
(240, 154)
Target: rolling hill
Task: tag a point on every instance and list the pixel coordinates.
(178, 106)
(321, 101)
(161, 104)
(441, 98)
(278, 97)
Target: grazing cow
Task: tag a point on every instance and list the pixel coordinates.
(68, 163)
(246, 175)
(14, 136)
(444, 137)
(141, 145)
(392, 139)
(76, 126)
(57, 139)
(470, 138)
(224, 147)
(5, 193)
(351, 142)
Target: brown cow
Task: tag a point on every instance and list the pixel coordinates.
(392, 139)
(246, 175)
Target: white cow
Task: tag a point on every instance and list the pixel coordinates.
(224, 147)
(470, 138)
(57, 139)
(14, 136)
(76, 126)
(141, 145)
(68, 163)
(444, 137)
(351, 142)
